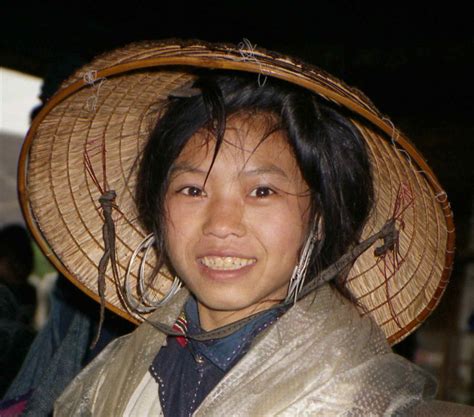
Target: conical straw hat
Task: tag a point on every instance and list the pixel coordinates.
(90, 134)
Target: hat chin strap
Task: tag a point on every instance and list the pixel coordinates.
(389, 235)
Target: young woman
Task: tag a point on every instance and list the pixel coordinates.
(247, 179)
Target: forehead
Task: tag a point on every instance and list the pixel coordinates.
(249, 139)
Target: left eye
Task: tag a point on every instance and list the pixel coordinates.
(191, 191)
(261, 192)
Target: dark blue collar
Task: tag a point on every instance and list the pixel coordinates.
(226, 351)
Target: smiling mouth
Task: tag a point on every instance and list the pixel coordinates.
(226, 263)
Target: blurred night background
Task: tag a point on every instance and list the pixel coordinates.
(414, 62)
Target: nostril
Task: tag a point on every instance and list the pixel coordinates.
(224, 221)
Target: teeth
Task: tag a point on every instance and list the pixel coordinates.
(226, 262)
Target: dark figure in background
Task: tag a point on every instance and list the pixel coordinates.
(34, 371)
(15, 337)
(17, 301)
(60, 350)
(16, 264)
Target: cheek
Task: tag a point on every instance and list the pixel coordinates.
(183, 225)
(175, 246)
(282, 232)
(175, 232)
(176, 218)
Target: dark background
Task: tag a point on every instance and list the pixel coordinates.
(415, 61)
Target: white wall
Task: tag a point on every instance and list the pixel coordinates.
(18, 96)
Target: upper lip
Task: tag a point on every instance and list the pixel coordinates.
(224, 254)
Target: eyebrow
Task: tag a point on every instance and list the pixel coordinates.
(184, 167)
(268, 169)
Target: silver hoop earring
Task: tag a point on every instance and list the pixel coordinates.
(299, 273)
(144, 304)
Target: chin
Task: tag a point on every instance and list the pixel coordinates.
(226, 302)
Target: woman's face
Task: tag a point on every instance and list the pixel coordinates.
(234, 239)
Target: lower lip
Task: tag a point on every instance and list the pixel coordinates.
(225, 274)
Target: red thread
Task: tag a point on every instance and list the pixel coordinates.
(181, 325)
(391, 261)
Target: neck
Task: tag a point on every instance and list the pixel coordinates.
(210, 319)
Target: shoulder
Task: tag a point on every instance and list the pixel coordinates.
(79, 397)
(327, 318)
(360, 370)
(105, 386)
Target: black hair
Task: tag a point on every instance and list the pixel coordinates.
(328, 148)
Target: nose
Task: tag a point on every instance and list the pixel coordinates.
(224, 218)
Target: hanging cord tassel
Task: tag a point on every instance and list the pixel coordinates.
(107, 203)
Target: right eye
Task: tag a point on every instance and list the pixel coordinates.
(191, 191)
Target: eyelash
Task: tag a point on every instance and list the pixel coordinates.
(187, 191)
(267, 190)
